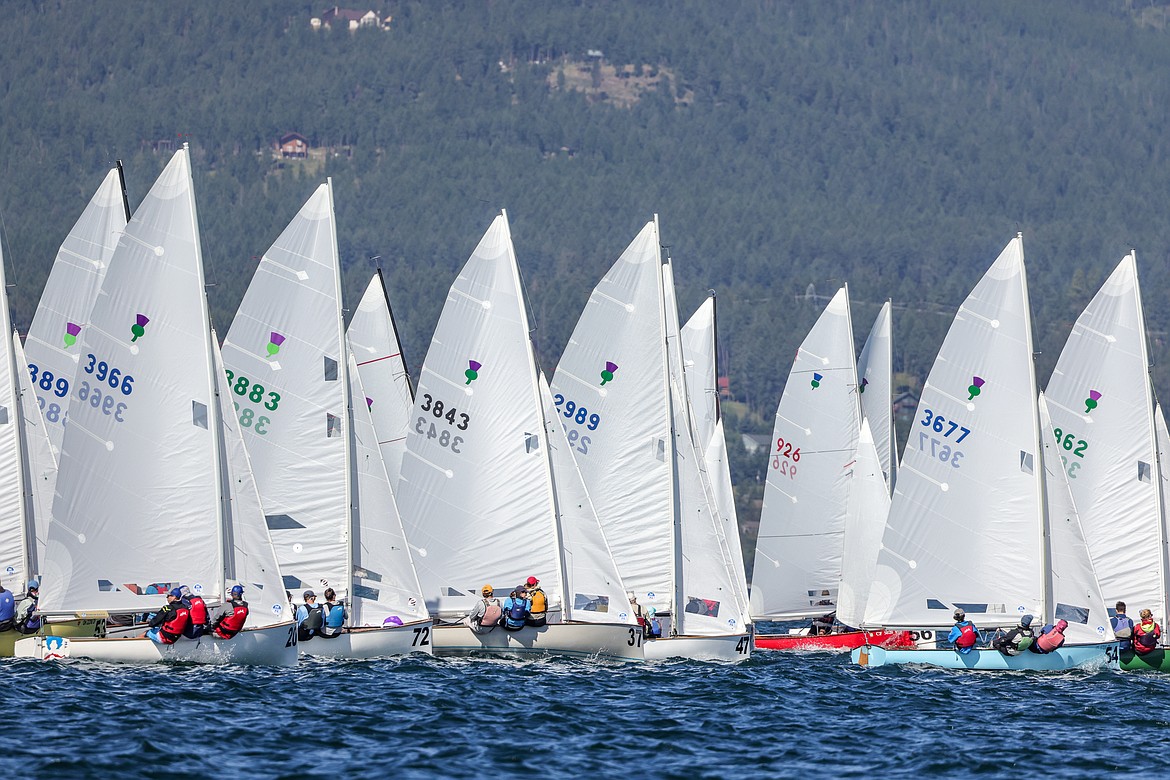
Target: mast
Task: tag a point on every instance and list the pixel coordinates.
(343, 375)
(214, 417)
(677, 596)
(889, 404)
(1163, 563)
(122, 186)
(1044, 559)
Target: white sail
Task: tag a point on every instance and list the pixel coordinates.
(251, 559)
(814, 444)
(385, 586)
(708, 600)
(374, 339)
(610, 386)
(39, 462)
(965, 524)
(137, 507)
(285, 357)
(1076, 594)
(700, 370)
(1101, 403)
(475, 491)
(865, 520)
(17, 553)
(1163, 438)
(875, 369)
(53, 345)
(594, 588)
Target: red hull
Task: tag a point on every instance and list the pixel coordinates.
(846, 641)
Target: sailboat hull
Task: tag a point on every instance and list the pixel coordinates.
(1097, 656)
(274, 645)
(1157, 660)
(731, 648)
(373, 642)
(835, 642)
(593, 640)
(81, 627)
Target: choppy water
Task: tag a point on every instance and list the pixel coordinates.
(778, 715)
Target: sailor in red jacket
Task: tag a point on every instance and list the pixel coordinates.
(235, 613)
(166, 626)
(1146, 633)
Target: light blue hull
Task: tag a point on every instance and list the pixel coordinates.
(1101, 656)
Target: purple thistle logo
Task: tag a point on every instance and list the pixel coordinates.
(974, 389)
(864, 382)
(369, 402)
(816, 380)
(1091, 401)
(139, 327)
(274, 342)
(72, 331)
(607, 374)
(472, 372)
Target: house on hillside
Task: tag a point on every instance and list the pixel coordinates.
(905, 405)
(756, 442)
(724, 387)
(348, 18)
(293, 145)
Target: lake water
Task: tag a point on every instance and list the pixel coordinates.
(778, 715)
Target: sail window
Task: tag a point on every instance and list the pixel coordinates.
(330, 369)
(366, 574)
(697, 606)
(199, 415)
(531, 443)
(3, 415)
(660, 449)
(364, 592)
(1072, 614)
(1026, 462)
(1144, 471)
(333, 426)
(281, 522)
(585, 603)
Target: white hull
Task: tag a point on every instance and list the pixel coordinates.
(731, 648)
(373, 642)
(1098, 656)
(274, 645)
(591, 640)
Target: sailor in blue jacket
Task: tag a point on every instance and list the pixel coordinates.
(964, 636)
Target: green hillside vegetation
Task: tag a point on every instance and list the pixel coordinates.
(896, 146)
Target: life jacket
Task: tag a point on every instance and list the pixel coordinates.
(1124, 627)
(335, 617)
(1050, 641)
(230, 625)
(516, 613)
(198, 610)
(539, 602)
(1145, 637)
(967, 635)
(27, 619)
(170, 631)
(492, 613)
(314, 619)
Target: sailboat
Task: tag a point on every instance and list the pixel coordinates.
(700, 369)
(875, 372)
(27, 467)
(1156, 659)
(974, 524)
(326, 496)
(373, 337)
(621, 387)
(799, 551)
(1103, 411)
(152, 490)
(490, 491)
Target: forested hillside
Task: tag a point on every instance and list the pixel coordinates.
(896, 146)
